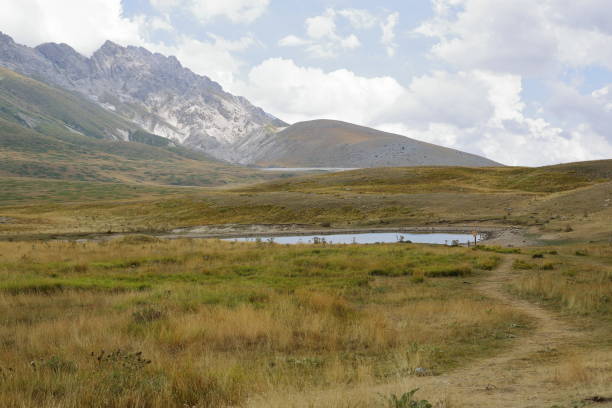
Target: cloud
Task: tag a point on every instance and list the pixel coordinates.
(388, 33)
(322, 39)
(297, 93)
(83, 24)
(86, 25)
(323, 26)
(477, 111)
(293, 41)
(237, 11)
(521, 36)
(213, 58)
(360, 19)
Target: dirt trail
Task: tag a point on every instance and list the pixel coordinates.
(513, 378)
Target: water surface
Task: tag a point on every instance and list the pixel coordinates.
(308, 169)
(364, 238)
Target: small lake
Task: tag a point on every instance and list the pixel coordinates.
(364, 238)
(308, 169)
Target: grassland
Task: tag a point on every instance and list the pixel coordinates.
(142, 323)
(202, 323)
(546, 201)
(576, 279)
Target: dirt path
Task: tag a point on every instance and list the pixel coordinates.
(515, 378)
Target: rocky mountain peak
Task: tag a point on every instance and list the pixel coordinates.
(152, 90)
(65, 58)
(4, 38)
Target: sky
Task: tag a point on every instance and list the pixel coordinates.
(522, 82)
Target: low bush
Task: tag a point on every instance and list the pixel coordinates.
(519, 264)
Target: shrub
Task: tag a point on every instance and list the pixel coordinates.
(147, 315)
(59, 365)
(497, 249)
(136, 239)
(487, 263)
(548, 266)
(407, 400)
(522, 265)
(389, 273)
(448, 271)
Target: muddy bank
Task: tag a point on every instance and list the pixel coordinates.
(509, 237)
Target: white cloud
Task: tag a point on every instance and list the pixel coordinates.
(296, 93)
(237, 11)
(83, 24)
(151, 24)
(293, 41)
(477, 111)
(351, 42)
(211, 58)
(521, 36)
(360, 19)
(388, 33)
(323, 41)
(322, 38)
(86, 25)
(322, 26)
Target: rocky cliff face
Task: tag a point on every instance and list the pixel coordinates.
(149, 89)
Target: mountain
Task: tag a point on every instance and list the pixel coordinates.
(148, 89)
(328, 143)
(156, 94)
(48, 132)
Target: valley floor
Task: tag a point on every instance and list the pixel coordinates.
(552, 364)
(131, 320)
(143, 322)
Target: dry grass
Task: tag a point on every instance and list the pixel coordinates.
(578, 280)
(216, 324)
(548, 199)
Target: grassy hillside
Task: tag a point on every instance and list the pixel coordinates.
(546, 199)
(328, 143)
(33, 104)
(46, 132)
(450, 179)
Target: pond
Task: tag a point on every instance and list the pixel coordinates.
(365, 238)
(308, 169)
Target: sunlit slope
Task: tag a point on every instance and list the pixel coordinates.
(327, 143)
(46, 132)
(549, 198)
(409, 180)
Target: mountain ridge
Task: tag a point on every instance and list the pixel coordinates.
(156, 93)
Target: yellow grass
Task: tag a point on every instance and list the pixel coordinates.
(221, 324)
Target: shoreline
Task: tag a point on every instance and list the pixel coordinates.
(496, 235)
(256, 231)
